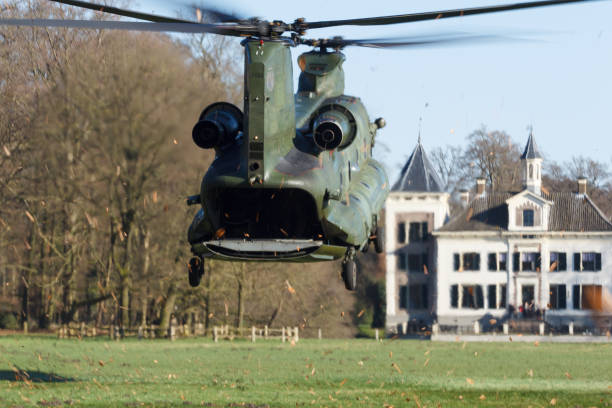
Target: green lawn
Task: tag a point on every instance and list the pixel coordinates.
(347, 373)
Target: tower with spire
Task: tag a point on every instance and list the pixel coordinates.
(417, 205)
(531, 163)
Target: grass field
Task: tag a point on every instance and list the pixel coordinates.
(347, 373)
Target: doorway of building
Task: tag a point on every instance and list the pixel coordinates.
(528, 300)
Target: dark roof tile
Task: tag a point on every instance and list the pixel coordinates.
(418, 174)
(531, 149)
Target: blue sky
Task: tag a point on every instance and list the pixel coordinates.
(559, 81)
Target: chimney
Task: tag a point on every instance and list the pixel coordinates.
(480, 186)
(465, 197)
(582, 184)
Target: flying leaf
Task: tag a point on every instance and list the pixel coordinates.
(469, 381)
(220, 233)
(6, 151)
(290, 288)
(30, 217)
(396, 367)
(361, 312)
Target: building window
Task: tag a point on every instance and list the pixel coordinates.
(492, 262)
(502, 296)
(558, 297)
(418, 262)
(527, 218)
(531, 171)
(454, 296)
(403, 297)
(466, 297)
(526, 261)
(401, 262)
(417, 296)
(496, 296)
(587, 297)
(497, 261)
(587, 261)
(401, 233)
(469, 261)
(492, 296)
(472, 297)
(558, 261)
(418, 231)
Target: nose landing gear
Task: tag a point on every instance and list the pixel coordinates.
(195, 269)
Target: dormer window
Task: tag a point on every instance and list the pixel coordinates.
(528, 218)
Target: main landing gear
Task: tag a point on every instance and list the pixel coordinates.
(349, 270)
(195, 270)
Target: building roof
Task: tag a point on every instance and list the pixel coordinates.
(531, 149)
(569, 212)
(418, 174)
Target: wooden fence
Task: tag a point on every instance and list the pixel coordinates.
(81, 330)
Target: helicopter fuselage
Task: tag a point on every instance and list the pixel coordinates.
(298, 182)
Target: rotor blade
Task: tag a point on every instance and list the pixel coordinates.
(434, 15)
(189, 28)
(121, 12)
(405, 42)
(469, 39)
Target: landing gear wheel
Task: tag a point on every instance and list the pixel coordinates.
(349, 274)
(195, 270)
(379, 240)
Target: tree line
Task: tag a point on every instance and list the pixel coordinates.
(96, 161)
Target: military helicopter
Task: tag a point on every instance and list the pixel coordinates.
(293, 178)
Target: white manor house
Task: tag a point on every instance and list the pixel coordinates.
(506, 254)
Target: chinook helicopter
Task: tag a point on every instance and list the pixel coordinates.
(293, 177)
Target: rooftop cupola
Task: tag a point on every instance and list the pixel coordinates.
(531, 162)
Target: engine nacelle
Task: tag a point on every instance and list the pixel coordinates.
(218, 126)
(333, 127)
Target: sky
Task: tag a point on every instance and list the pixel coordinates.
(555, 74)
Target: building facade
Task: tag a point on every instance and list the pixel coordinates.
(522, 253)
(416, 206)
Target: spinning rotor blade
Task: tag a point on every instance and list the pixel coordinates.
(408, 42)
(189, 28)
(121, 12)
(433, 15)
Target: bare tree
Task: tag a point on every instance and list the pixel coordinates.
(493, 155)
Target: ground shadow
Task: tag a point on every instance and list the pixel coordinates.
(32, 376)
